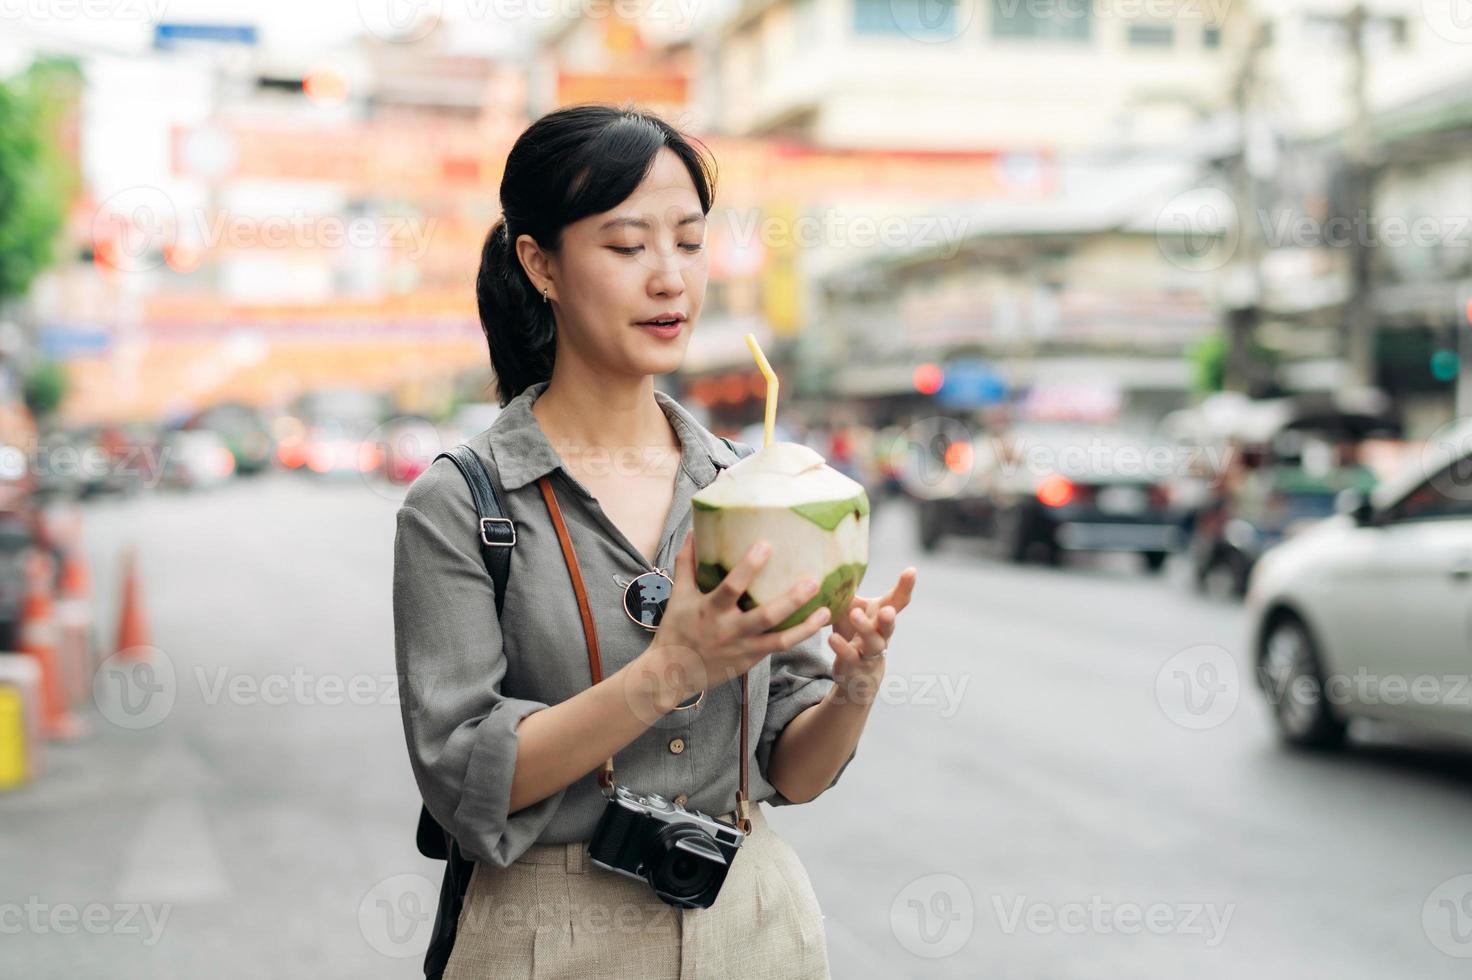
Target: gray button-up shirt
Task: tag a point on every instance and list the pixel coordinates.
(467, 677)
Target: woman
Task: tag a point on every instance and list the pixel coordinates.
(601, 239)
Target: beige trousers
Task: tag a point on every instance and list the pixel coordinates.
(554, 914)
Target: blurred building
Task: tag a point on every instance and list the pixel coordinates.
(988, 75)
(287, 220)
(1089, 291)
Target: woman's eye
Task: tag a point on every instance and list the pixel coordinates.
(635, 249)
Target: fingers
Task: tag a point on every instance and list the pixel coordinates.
(871, 636)
(739, 579)
(769, 614)
(845, 654)
(904, 589)
(770, 643)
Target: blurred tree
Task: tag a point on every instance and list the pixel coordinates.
(43, 388)
(1208, 357)
(35, 182)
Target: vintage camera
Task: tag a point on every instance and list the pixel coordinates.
(683, 854)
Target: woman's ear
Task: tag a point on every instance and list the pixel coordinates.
(537, 264)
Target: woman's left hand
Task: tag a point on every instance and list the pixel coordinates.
(862, 634)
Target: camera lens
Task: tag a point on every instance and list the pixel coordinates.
(684, 862)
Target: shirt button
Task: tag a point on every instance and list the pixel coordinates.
(677, 745)
(682, 799)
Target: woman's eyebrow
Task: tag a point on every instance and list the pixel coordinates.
(643, 223)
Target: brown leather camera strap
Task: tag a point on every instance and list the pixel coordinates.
(595, 660)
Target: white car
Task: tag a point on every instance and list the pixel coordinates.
(1369, 613)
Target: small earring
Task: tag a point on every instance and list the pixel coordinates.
(544, 294)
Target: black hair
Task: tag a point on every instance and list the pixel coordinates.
(570, 163)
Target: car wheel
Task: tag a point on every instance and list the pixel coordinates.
(930, 527)
(1293, 682)
(1012, 535)
(1155, 560)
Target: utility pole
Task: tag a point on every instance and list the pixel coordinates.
(1359, 312)
(1245, 308)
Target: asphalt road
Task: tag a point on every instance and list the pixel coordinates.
(1066, 778)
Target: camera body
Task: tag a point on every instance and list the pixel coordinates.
(683, 854)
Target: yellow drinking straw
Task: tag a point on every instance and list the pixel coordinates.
(771, 376)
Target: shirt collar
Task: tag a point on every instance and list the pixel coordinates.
(523, 454)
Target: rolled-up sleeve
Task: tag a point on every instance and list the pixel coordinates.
(800, 677)
(460, 728)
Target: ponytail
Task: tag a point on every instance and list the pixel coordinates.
(519, 327)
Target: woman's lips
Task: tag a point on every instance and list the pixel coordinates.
(666, 332)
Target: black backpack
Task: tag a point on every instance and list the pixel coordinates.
(497, 538)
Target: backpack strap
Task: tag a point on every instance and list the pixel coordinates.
(497, 531)
(497, 538)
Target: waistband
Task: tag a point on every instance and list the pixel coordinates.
(573, 855)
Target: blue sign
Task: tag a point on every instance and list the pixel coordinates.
(63, 344)
(971, 384)
(166, 37)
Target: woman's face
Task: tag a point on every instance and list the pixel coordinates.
(645, 259)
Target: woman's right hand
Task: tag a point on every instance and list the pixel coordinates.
(705, 638)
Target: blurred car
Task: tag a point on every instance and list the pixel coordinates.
(1291, 459)
(244, 431)
(333, 432)
(1045, 490)
(1366, 614)
(196, 459)
(407, 447)
(340, 447)
(1270, 505)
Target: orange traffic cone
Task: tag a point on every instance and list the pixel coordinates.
(74, 624)
(132, 623)
(38, 639)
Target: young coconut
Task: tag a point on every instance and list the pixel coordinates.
(815, 518)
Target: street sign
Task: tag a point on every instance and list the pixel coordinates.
(971, 384)
(169, 37)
